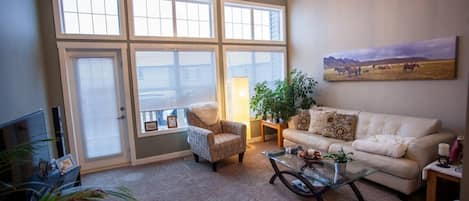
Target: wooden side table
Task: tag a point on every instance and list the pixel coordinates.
(434, 173)
(277, 126)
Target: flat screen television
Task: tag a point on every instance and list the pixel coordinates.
(27, 129)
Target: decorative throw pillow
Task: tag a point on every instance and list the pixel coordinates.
(303, 119)
(341, 126)
(318, 120)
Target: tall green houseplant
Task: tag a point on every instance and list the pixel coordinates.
(286, 97)
(303, 87)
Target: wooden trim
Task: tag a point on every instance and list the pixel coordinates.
(432, 181)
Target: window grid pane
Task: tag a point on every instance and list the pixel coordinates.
(98, 17)
(238, 23)
(194, 19)
(153, 17)
(266, 23)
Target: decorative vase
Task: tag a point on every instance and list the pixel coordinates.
(456, 151)
(340, 168)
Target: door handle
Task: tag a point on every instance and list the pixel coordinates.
(121, 117)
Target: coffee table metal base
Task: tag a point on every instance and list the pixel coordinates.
(315, 192)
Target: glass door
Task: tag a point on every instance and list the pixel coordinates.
(99, 119)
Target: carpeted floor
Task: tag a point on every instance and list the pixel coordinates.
(183, 180)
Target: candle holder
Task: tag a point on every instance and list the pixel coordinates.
(443, 161)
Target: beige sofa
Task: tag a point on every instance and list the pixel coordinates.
(402, 174)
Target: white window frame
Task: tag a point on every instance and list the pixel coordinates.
(253, 41)
(132, 35)
(134, 47)
(61, 35)
(245, 48)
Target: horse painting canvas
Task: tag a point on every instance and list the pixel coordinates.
(423, 60)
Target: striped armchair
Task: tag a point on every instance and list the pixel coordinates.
(215, 142)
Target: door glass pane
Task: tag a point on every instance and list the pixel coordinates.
(98, 106)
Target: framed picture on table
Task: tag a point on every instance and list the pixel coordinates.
(65, 164)
(172, 121)
(151, 126)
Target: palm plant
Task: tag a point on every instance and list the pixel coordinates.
(19, 154)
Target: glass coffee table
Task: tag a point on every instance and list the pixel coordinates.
(314, 178)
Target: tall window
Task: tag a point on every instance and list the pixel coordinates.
(248, 22)
(170, 80)
(255, 65)
(173, 18)
(89, 17)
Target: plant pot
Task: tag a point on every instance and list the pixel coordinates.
(340, 168)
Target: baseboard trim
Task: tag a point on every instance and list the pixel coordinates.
(259, 138)
(89, 171)
(162, 157)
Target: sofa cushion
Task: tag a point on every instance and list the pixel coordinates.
(309, 139)
(303, 120)
(319, 119)
(342, 127)
(400, 167)
(386, 145)
(370, 124)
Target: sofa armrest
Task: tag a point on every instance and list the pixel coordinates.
(234, 128)
(293, 122)
(197, 136)
(424, 149)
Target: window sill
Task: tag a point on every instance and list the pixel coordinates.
(162, 132)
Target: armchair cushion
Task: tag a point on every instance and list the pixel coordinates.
(235, 128)
(225, 139)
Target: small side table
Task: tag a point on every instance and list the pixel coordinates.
(432, 173)
(277, 126)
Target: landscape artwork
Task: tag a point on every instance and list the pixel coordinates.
(423, 60)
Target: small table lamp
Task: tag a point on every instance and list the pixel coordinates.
(443, 153)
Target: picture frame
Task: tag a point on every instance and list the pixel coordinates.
(151, 126)
(172, 121)
(65, 164)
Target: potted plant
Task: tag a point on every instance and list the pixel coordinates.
(262, 100)
(284, 99)
(302, 87)
(340, 160)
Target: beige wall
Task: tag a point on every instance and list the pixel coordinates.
(326, 26)
(22, 79)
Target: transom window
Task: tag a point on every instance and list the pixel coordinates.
(173, 18)
(247, 22)
(90, 17)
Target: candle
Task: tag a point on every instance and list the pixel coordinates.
(310, 152)
(443, 149)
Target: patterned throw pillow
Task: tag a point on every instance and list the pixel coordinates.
(303, 119)
(318, 120)
(341, 127)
